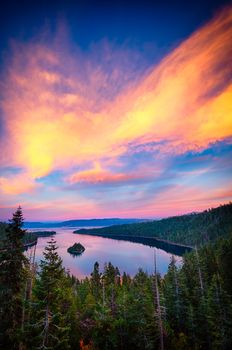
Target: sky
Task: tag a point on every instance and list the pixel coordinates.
(115, 109)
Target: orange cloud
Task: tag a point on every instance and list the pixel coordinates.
(18, 184)
(186, 99)
(57, 118)
(99, 175)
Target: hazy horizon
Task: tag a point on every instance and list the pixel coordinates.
(109, 218)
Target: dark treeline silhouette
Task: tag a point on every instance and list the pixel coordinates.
(47, 308)
(28, 238)
(191, 229)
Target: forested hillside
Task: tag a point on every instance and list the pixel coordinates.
(191, 229)
(190, 308)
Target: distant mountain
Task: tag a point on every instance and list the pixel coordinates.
(83, 223)
(38, 224)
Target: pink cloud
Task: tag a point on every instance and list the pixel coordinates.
(18, 184)
(98, 175)
(58, 116)
(63, 109)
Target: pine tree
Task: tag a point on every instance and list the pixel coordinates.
(12, 279)
(96, 281)
(172, 295)
(49, 327)
(219, 315)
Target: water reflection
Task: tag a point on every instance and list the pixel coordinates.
(127, 256)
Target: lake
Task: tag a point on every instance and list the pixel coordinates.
(127, 256)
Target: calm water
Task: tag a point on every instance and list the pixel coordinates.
(128, 256)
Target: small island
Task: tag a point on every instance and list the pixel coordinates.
(44, 233)
(76, 249)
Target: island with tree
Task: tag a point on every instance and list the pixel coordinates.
(76, 249)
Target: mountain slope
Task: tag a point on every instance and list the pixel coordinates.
(191, 229)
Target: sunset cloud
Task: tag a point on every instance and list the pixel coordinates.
(98, 175)
(17, 184)
(185, 100)
(69, 111)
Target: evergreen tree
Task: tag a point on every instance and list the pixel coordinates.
(49, 327)
(171, 290)
(12, 279)
(189, 308)
(96, 281)
(219, 315)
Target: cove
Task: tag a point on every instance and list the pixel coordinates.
(127, 255)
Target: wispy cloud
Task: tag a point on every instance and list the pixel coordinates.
(98, 175)
(17, 184)
(62, 109)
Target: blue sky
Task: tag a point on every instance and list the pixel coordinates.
(115, 109)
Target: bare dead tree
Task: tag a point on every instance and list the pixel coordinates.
(157, 303)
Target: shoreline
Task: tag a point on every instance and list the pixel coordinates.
(169, 246)
(30, 244)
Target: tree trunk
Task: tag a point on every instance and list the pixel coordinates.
(157, 302)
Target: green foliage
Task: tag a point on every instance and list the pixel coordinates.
(28, 238)
(76, 249)
(204, 299)
(192, 229)
(12, 278)
(189, 308)
(3, 233)
(50, 303)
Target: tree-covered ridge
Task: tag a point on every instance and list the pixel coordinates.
(191, 229)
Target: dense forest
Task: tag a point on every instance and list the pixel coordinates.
(28, 238)
(44, 307)
(191, 229)
(3, 230)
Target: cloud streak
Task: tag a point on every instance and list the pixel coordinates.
(66, 110)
